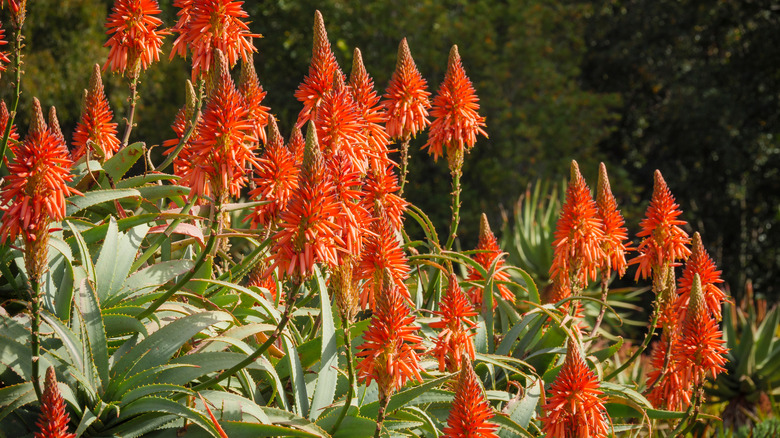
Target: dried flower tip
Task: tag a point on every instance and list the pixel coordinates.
(38, 123)
(311, 152)
(54, 124)
(191, 100)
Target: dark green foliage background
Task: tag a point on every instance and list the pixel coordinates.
(690, 88)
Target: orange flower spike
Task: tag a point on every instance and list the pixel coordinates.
(471, 412)
(407, 99)
(575, 407)
(205, 26)
(253, 93)
(135, 40)
(455, 339)
(340, 126)
(296, 144)
(374, 117)
(700, 348)
(353, 219)
(276, 178)
(321, 71)
(456, 122)
(381, 255)
(381, 186)
(672, 391)
(36, 187)
(307, 233)
(182, 164)
(577, 250)
(664, 241)
(96, 130)
(4, 59)
(4, 117)
(700, 263)
(390, 344)
(53, 422)
(615, 231)
(225, 148)
(489, 244)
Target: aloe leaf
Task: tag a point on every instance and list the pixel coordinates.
(15, 396)
(153, 389)
(402, 398)
(86, 259)
(116, 257)
(122, 161)
(141, 180)
(300, 396)
(92, 320)
(509, 428)
(325, 390)
(72, 343)
(149, 279)
(95, 197)
(163, 405)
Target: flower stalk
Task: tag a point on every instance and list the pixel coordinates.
(133, 99)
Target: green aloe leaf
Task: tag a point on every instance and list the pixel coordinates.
(118, 165)
(325, 390)
(89, 307)
(95, 197)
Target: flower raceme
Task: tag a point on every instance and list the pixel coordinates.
(455, 338)
(700, 263)
(489, 253)
(340, 125)
(322, 69)
(205, 26)
(4, 117)
(615, 232)
(373, 114)
(406, 99)
(456, 122)
(136, 39)
(95, 131)
(471, 412)
(574, 408)
(381, 256)
(253, 94)
(53, 422)
(380, 195)
(182, 164)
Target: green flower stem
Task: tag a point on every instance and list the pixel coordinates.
(604, 293)
(404, 165)
(188, 133)
(641, 349)
(260, 350)
(384, 400)
(350, 374)
(17, 50)
(36, 346)
(691, 414)
(131, 109)
(457, 172)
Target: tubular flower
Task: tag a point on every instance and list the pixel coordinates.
(577, 249)
(307, 233)
(36, 187)
(53, 422)
(322, 69)
(615, 232)
(182, 164)
(574, 408)
(492, 253)
(224, 148)
(340, 126)
(670, 390)
(18, 11)
(382, 255)
(456, 122)
(374, 117)
(4, 117)
(276, 178)
(4, 59)
(205, 26)
(253, 93)
(380, 197)
(135, 40)
(353, 219)
(389, 350)
(95, 131)
(700, 349)
(700, 263)
(407, 99)
(455, 339)
(471, 412)
(664, 241)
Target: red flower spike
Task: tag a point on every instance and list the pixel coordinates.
(381, 186)
(455, 339)
(276, 178)
(4, 117)
(615, 232)
(664, 241)
(374, 118)
(353, 219)
(253, 93)
(95, 130)
(4, 59)
(321, 71)
(577, 251)
(700, 348)
(456, 122)
(390, 344)
(672, 391)
(135, 40)
(489, 244)
(471, 412)
(205, 26)
(574, 407)
(36, 187)
(307, 233)
(381, 255)
(700, 263)
(407, 99)
(340, 126)
(225, 148)
(53, 422)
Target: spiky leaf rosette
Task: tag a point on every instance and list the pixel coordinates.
(615, 231)
(322, 69)
(53, 422)
(456, 122)
(95, 131)
(489, 244)
(373, 114)
(406, 99)
(702, 264)
(455, 338)
(136, 38)
(471, 412)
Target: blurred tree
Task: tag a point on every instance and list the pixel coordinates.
(700, 81)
